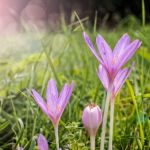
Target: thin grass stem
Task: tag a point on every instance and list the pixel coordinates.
(105, 116)
(143, 13)
(56, 136)
(111, 124)
(52, 67)
(92, 142)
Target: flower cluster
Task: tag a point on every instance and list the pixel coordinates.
(110, 72)
(112, 75)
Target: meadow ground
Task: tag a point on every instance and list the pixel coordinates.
(64, 56)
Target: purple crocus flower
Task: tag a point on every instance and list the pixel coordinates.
(112, 88)
(42, 143)
(92, 118)
(55, 104)
(114, 60)
(111, 73)
(118, 82)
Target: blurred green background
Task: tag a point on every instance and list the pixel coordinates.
(31, 55)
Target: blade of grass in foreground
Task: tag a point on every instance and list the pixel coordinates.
(51, 65)
(136, 108)
(143, 12)
(81, 24)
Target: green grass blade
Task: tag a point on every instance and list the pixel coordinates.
(137, 111)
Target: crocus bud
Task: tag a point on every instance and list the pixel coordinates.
(42, 143)
(92, 118)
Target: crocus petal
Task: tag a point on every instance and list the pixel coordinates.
(42, 143)
(96, 119)
(85, 117)
(103, 76)
(63, 94)
(52, 117)
(105, 50)
(128, 53)
(123, 42)
(64, 98)
(45, 108)
(51, 105)
(52, 109)
(39, 100)
(90, 45)
(120, 79)
(52, 92)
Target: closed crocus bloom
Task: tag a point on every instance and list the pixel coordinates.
(92, 118)
(42, 143)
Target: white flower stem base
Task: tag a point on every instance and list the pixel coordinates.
(92, 141)
(111, 124)
(105, 116)
(56, 136)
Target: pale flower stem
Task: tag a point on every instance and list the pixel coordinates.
(105, 116)
(111, 124)
(92, 141)
(56, 136)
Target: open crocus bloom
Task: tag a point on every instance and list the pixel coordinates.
(114, 60)
(118, 81)
(55, 104)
